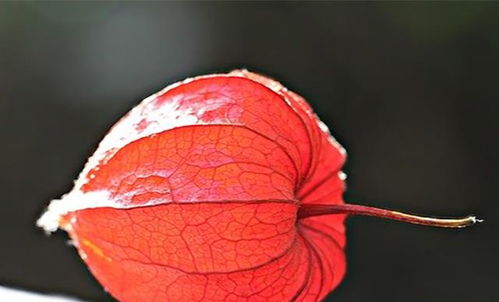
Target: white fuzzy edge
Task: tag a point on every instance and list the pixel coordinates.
(118, 136)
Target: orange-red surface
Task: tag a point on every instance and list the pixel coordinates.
(226, 189)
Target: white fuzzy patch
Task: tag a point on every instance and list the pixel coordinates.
(156, 118)
(72, 201)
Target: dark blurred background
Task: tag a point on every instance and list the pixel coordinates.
(409, 89)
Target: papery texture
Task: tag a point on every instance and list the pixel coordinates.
(193, 196)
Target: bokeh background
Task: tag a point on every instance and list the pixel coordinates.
(410, 89)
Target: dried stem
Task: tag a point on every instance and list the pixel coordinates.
(309, 210)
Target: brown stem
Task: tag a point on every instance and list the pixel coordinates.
(309, 210)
